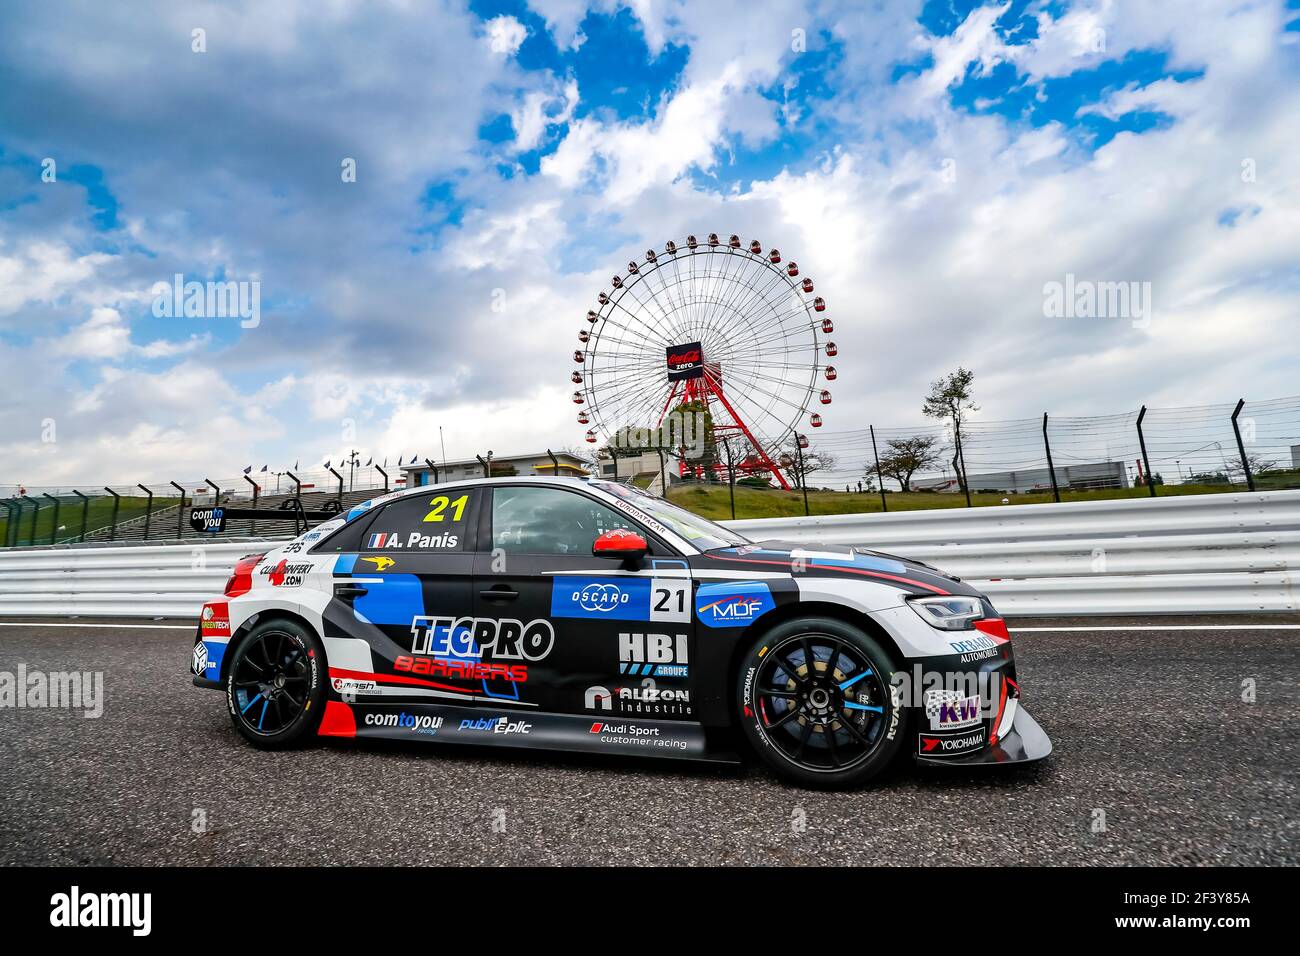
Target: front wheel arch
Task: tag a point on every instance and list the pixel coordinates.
(787, 612)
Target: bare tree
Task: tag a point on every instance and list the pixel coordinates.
(812, 461)
(904, 457)
(950, 398)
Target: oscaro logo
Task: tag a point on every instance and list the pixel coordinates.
(600, 597)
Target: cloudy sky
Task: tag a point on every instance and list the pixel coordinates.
(933, 165)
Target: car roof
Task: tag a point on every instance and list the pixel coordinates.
(557, 481)
(595, 485)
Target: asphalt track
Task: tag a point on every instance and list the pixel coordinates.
(1149, 728)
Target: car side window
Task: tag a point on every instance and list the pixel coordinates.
(534, 520)
(432, 522)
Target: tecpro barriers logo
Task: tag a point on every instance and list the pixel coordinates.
(38, 690)
(76, 909)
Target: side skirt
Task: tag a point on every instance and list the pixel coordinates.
(531, 730)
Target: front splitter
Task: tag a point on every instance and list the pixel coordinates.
(1025, 742)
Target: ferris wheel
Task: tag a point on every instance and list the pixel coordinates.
(716, 324)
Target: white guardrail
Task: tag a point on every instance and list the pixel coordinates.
(1194, 554)
(1225, 553)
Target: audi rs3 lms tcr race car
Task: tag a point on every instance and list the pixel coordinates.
(583, 615)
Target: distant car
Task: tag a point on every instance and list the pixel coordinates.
(583, 615)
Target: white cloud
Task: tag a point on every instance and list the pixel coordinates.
(103, 336)
(634, 156)
(505, 35)
(538, 110)
(41, 271)
(386, 316)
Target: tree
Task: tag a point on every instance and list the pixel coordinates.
(813, 461)
(904, 457)
(1257, 462)
(950, 398)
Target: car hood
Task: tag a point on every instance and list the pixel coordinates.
(839, 560)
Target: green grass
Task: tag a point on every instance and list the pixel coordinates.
(711, 501)
(99, 514)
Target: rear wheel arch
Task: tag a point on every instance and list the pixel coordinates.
(261, 617)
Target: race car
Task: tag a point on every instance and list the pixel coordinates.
(585, 615)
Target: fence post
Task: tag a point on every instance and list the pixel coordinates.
(1241, 447)
(663, 479)
(117, 503)
(1146, 462)
(803, 475)
(555, 463)
(148, 510)
(18, 520)
(340, 478)
(297, 486)
(380, 469)
(880, 479)
(487, 469)
(180, 511)
(1047, 445)
(427, 461)
(15, 513)
(54, 522)
(252, 527)
(85, 513)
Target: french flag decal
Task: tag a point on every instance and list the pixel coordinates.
(380, 539)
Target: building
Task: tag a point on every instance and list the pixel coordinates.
(1100, 474)
(631, 466)
(418, 474)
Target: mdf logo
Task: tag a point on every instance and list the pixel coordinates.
(76, 909)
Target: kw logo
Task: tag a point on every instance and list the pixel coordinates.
(381, 563)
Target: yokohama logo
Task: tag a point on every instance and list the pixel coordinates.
(932, 745)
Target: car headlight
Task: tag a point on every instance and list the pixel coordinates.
(953, 612)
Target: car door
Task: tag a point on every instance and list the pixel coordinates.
(403, 594)
(601, 637)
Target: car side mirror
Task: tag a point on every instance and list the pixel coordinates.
(620, 543)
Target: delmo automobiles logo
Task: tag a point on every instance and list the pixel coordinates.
(735, 604)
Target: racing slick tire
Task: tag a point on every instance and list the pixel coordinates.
(276, 684)
(818, 705)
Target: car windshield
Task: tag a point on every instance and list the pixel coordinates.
(701, 532)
